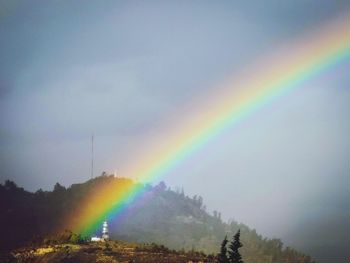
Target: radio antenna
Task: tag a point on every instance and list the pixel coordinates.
(92, 156)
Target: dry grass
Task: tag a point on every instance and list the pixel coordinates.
(103, 252)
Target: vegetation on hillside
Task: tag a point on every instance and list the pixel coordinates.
(62, 248)
(167, 217)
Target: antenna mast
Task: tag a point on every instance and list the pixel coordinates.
(92, 156)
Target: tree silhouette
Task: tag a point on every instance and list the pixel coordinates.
(233, 253)
(59, 188)
(222, 256)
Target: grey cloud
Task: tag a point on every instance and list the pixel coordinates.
(120, 69)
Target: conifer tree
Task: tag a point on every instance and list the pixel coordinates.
(233, 253)
(222, 256)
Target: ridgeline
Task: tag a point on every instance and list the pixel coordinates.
(169, 218)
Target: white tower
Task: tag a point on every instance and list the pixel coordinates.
(105, 235)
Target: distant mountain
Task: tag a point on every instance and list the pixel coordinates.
(167, 217)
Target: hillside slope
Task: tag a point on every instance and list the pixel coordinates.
(51, 251)
(167, 217)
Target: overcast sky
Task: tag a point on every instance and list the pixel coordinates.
(119, 69)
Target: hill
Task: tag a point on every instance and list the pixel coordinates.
(62, 249)
(167, 217)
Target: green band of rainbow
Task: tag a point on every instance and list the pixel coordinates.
(330, 48)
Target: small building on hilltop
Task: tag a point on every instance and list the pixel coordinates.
(105, 234)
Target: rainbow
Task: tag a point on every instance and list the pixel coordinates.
(270, 78)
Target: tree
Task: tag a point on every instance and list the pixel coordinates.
(222, 256)
(182, 192)
(10, 185)
(200, 201)
(233, 253)
(59, 188)
(161, 187)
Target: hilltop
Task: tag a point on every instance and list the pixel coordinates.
(167, 217)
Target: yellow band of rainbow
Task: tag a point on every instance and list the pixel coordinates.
(272, 77)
